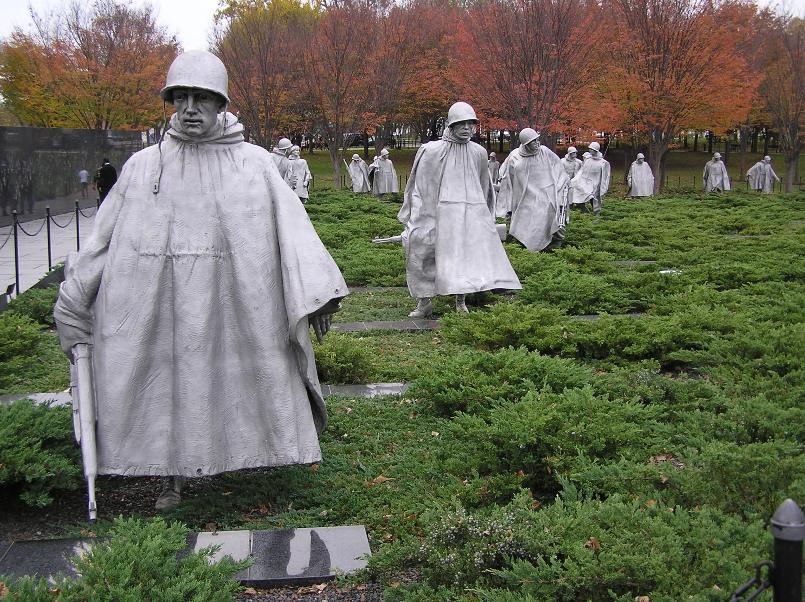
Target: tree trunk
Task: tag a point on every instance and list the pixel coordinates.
(765, 143)
(709, 143)
(791, 164)
(500, 142)
(366, 145)
(744, 132)
(657, 149)
(696, 142)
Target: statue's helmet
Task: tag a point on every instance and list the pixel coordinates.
(571, 149)
(641, 156)
(492, 155)
(595, 146)
(528, 135)
(196, 69)
(354, 157)
(284, 144)
(716, 155)
(767, 159)
(295, 149)
(384, 152)
(461, 111)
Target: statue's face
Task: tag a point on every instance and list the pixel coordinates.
(640, 159)
(463, 130)
(532, 146)
(716, 158)
(571, 155)
(197, 110)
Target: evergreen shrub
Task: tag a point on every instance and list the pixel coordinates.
(342, 359)
(37, 304)
(38, 453)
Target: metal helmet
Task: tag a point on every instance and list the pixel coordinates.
(595, 146)
(355, 157)
(461, 111)
(641, 156)
(528, 135)
(284, 144)
(295, 149)
(384, 152)
(196, 69)
(571, 149)
(716, 155)
(767, 159)
(492, 155)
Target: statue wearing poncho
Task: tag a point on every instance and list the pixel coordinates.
(195, 289)
(640, 178)
(359, 174)
(591, 182)
(537, 182)
(761, 176)
(451, 245)
(385, 176)
(715, 176)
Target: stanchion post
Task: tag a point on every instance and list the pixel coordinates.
(788, 530)
(47, 225)
(77, 229)
(16, 253)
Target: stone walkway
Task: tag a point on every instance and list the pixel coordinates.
(391, 325)
(33, 250)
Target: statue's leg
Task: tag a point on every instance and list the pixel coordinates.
(424, 308)
(171, 493)
(461, 305)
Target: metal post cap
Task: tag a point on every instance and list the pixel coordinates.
(788, 522)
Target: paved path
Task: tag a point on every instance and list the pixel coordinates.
(33, 250)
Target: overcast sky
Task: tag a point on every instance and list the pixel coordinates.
(191, 20)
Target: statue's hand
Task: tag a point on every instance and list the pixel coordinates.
(322, 318)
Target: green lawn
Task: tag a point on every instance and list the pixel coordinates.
(542, 457)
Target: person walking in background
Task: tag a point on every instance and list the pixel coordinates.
(105, 178)
(83, 178)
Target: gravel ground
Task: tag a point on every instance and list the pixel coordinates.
(324, 592)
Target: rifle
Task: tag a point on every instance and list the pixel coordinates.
(84, 418)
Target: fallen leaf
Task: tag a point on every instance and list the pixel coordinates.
(434, 433)
(664, 479)
(250, 591)
(262, 509)
(535, 505)
(227, 493)
(520, 474)
(394, 584)
(315, 467)
(348, 410)
(381, 479)
(320, 587)
(4, 591)
(323, 513)
(593, 544)
(651, 503)
(212, 527)
(642, 599)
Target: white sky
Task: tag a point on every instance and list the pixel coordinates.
(190, 20)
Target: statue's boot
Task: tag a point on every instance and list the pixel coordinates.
(171, 493)
(461, 305)
(424, 308)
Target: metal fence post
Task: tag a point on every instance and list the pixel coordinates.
(788, 529)
(77, 229)
(47, 223)
(16, 254)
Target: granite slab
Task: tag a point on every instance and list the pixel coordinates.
(280, 557)
(369, 390)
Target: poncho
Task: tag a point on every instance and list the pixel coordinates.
(385, 179)
(359, 173)
(715, 176)
(281, 161)
(451, 244)
(572, 166)
(761, 177)
(537, 183)
(196, 300)
(494, 171)
(299, 177)
(592, 180)
(640, 179)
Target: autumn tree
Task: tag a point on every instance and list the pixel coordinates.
(783, 89)
(335, 72)
(260, 42)
(523, 60)
(99, 67)
(677, 65)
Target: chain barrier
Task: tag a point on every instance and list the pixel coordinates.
(91, 214)
(756, 586)
(24, 231)
(70, 221)
(8, 237)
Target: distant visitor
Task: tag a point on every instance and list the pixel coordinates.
(105, 178)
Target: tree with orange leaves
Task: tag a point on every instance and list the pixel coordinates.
(335, 73)
(783, 89)
(97, 68)
(675, 64)
(523, 61)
